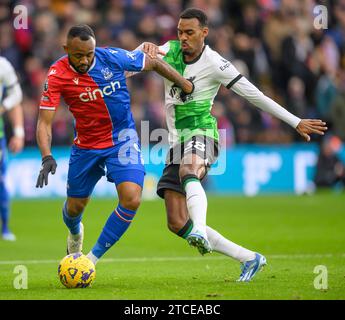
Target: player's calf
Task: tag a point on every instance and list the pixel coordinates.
(116, 225)
(75, 206)
(75, 236)
(72, 219)
(197, 208)
(182, 230)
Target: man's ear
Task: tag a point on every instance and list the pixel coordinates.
(65, 48)
(205, 32)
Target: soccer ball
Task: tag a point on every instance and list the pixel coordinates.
(76, 271)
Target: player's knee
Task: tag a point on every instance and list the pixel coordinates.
(75, 208)
(131, 202)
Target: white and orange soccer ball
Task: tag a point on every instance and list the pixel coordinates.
(76, 271)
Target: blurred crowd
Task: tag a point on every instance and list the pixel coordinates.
(274, 43)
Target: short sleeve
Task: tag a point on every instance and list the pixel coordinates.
(50, 98)
(9, 77)
(225, 72)
(127, 60)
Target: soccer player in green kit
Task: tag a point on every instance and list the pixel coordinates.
(193, 136)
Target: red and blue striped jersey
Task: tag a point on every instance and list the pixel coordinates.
(99, 99)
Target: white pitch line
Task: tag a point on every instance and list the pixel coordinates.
(165, 259)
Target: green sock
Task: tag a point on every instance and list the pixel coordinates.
(186, 229)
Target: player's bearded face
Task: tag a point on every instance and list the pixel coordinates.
(81, 67)
(191, 36)
(81, 54)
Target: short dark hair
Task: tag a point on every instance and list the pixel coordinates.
(82, 31)
(191, 13)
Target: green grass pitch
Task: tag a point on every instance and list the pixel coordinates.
(295, 233)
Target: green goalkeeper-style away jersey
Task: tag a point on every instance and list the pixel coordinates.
(208, 72)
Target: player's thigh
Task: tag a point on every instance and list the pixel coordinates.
(176, 209)
(198, 154)
(192, 164)
(125, 168)
(124, 163)
(169, 180)
(85, 169)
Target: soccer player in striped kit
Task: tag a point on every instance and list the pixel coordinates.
(93, 84)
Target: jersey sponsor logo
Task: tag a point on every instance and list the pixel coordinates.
(95, 94)
(225, 66)
(76, 80)
(107, 74)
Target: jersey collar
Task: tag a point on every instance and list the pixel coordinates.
(197, 58)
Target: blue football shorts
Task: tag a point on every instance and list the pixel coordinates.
(120, 163)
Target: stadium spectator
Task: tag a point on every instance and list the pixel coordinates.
(330, 170)
(274, 40)
(338, 107)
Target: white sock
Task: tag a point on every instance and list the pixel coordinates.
(227, 247)
(197, 205)
(92, 257)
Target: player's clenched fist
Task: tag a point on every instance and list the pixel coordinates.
(48, 165)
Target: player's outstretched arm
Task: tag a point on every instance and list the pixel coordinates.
(303, 126)
(44, 139)
(166, 71)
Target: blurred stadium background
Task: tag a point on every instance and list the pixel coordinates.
(273, 42)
